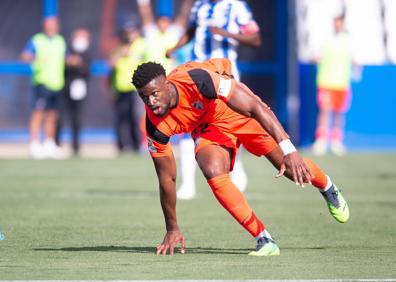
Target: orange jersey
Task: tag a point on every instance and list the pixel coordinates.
(202, 88)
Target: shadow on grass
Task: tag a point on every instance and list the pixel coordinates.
(196, 250)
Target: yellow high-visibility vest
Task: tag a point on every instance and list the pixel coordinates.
(334, 68)
(49, 62)
(126, 65)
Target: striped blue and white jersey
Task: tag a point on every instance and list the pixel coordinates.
(234, 16)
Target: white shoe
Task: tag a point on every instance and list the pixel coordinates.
(186, 193)
(36, 150)
(319, 148)
(338, 148)
(238, 176)
(52, 151)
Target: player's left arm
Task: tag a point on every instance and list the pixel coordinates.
(244, 101)
(252, 39)
(216, 85)
(249, 31)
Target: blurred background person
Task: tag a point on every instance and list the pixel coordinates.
(163, 33)
(333, 90)
(46, 53)
(124, 59)
(76, 85)
(216, 28)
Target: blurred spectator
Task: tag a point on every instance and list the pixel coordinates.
(76, 75)
(46, 51)
(124, 59)
(333, 81)
(162, 34)
(217, 28)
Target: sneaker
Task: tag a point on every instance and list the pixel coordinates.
(185, 193)
(336, 203)
(319, 147)
(52, 151)
(338, 148)
(36, 150)
(265, 247)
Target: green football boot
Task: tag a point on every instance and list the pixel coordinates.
(265, 247)
(336, 203)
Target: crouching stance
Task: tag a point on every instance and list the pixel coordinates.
(221, 114)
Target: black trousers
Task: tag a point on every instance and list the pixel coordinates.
(70, 110)
(127, 117)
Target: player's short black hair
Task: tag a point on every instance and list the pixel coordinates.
(147, 72)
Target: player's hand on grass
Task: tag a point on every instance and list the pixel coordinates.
(171, 239)
(295, 165)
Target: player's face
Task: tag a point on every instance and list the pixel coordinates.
(51, 26)
(156, 95)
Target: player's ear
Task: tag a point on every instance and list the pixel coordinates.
(167, 83)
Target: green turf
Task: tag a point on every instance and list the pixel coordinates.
(101, 219)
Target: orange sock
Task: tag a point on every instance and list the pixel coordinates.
(320, 180)
(235, 203)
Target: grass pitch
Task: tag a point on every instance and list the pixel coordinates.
(101, 219)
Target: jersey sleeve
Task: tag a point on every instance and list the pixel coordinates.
(157, 141)
(211, 84)
(245, 20)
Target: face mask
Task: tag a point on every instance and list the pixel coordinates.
(80, 45)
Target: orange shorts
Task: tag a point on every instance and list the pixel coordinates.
(251, 135)
(334, 100)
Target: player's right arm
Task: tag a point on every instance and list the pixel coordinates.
(166, 172)
(165, 167)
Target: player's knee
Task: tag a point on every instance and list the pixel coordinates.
(212, 165)
(211, 170)
(213, 161)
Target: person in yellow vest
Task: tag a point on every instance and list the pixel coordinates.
(333, 82)
(163, 33)
(46, 53)
(124, 59)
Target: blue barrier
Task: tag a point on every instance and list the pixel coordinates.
(101, 68)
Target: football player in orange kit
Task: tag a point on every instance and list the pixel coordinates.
(221, 113)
